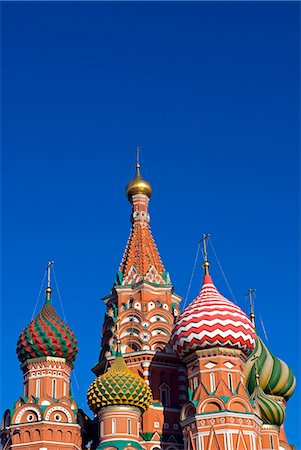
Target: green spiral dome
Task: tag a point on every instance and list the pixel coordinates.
(272, 412)
(275, 377)
(119, 386)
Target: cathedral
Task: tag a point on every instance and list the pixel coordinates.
(197, 379)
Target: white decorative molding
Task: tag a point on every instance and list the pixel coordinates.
(59, 408)
(28, 408)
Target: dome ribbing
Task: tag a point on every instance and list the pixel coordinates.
(275, 377)
(271, 411)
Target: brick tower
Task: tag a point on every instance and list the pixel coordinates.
(44, 417)
(237, 388)
(143, 302)
(214, 337)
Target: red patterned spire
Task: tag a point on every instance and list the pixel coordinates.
(141, 259)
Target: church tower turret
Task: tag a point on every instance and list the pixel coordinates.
(45, 415)
(145, 305)
(214, 337)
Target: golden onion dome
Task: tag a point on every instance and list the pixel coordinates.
(138, 185)
(119, 386)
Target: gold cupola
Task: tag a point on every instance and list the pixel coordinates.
(138, 185)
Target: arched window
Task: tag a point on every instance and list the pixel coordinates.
(113, 426)
(230, 382)
(129, 426)
(101, 428)
(54, 388)
(212, 382)
(38, 388)
(65, 388)
(26, 389)
(165, 394)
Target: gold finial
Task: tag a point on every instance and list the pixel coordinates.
(251, 300)
(48, 289)
(206, 263)
(138, 185)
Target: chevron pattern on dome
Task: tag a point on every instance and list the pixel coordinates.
(275, 377)
(271, 411)
(119, 386)
(212, 321)
(47, 335)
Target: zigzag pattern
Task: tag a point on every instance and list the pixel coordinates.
(212, 321)
(47, 335)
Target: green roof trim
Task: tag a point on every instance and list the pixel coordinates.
(147, 436)
(120, 445)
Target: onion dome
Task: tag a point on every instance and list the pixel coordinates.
(47, 335)
(212, 321)
(119, 386)
(138, 185)
(272, 413)
(275, 377)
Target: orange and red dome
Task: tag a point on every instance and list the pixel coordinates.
(212, 321)
(47, 335)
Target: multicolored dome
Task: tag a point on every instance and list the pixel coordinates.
(119, 386)
(271, 410)
(275, 377)
(47, 335)
(212, 321)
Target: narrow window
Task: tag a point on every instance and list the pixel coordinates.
(271, 442)
(129, 426)
(212, 382)
(101, 428)
(230, 382)
(195, 382)
(164, 394)
(53, 388)
(37, 388)
(65, 388)
(26, 389)
(163, 397)
(113, 426)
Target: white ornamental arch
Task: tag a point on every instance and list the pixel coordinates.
(28, 408)
(59, 408)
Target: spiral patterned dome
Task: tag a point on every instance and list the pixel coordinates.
(272, 413)
(47, 335)
(275, 377)
(212, 321)
(119, 386)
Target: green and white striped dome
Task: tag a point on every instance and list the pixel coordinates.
(272, 413)
(275, 377)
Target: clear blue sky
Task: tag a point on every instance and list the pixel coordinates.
(211, 93)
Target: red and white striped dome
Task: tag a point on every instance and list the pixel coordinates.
(212, 321)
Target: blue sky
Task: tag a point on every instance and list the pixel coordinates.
(211, 93)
